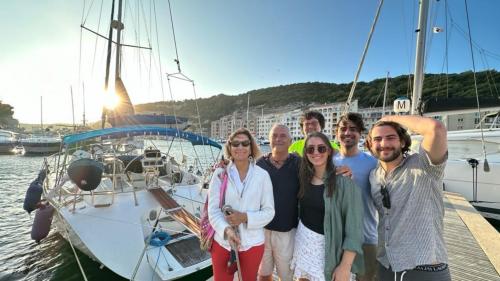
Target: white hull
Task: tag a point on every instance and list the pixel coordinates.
(29, 149)
(459, 173)
(114, 235)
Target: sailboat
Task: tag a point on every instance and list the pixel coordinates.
(120, 196)
(135, 211)
(473, 155)
(41, 143)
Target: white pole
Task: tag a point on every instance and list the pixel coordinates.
(41, 115)
(72, 108)
(385, 93)
(83, 86)
(418, 79)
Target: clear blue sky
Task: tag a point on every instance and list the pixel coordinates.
(227, 47)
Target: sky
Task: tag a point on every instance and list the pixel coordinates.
(228, 47)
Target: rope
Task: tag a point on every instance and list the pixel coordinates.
(175, 40)
(72, 248)
(351, 94)
(486, 166)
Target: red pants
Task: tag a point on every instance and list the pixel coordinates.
(249, 262)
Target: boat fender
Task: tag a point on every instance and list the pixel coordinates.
(42, 222)
(159, 239)
(86, 173)
(34, 193)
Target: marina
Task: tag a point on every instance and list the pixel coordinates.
(122, 199)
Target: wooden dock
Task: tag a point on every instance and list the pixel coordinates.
(473, 244)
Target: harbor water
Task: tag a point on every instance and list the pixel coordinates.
(22, 258)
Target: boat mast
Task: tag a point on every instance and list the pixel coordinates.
(108, 61)
(72, 108)
(418, 79)
(41, 114)
(385, 93)
(119, 27)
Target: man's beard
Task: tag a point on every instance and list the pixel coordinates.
(395, 154)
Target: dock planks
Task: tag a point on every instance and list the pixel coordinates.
(472, 243)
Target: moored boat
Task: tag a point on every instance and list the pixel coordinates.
(7, 142)
(141, 224)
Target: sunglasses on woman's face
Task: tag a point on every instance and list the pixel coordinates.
(386, 199)
(236, 143)
(320, 148)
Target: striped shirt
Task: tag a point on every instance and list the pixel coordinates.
(411, 231)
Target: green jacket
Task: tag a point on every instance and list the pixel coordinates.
(343, 226)
(298, 147)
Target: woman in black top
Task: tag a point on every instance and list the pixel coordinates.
(317, 172)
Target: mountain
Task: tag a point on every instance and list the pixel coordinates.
(369, 94)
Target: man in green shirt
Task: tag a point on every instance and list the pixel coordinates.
(310, 121)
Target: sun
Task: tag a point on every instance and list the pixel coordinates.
(110, 100)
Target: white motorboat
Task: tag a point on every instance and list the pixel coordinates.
(41, 145)
(7, 142)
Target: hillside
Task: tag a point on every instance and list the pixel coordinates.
(6, 113)
(301, 94)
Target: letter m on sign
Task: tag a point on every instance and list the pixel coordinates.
(401, 105)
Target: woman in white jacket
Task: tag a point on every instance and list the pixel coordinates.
(249, 192)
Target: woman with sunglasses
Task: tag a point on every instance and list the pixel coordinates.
(249, 194)
(328, 243)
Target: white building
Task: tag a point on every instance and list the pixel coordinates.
(288, 118)
(372, 114)
(222, 128)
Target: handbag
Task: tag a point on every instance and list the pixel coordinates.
(206, 230)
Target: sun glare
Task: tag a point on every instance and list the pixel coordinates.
(111, 100)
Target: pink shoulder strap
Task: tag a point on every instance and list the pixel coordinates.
(223, 188)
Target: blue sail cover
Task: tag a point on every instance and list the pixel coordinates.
(121, 132)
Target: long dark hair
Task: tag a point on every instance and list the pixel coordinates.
(306, 171)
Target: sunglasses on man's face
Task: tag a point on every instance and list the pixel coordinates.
(386, 199)
(320, 148)
(236, 143)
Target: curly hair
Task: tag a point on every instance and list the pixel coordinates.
(254, 148)
(404, 137)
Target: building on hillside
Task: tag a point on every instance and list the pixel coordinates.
(461, 113)
(222, 128)
(373, 114)
(287, 118)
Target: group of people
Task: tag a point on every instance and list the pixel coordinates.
(315, 210)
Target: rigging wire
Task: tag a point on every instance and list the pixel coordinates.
(485, 165)
(481, 56)
(353, 87)
(97, 37)
(488, 71)
(88, 12)
(184, 77)
(174, 38)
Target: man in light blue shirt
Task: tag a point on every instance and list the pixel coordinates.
(348, 132)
